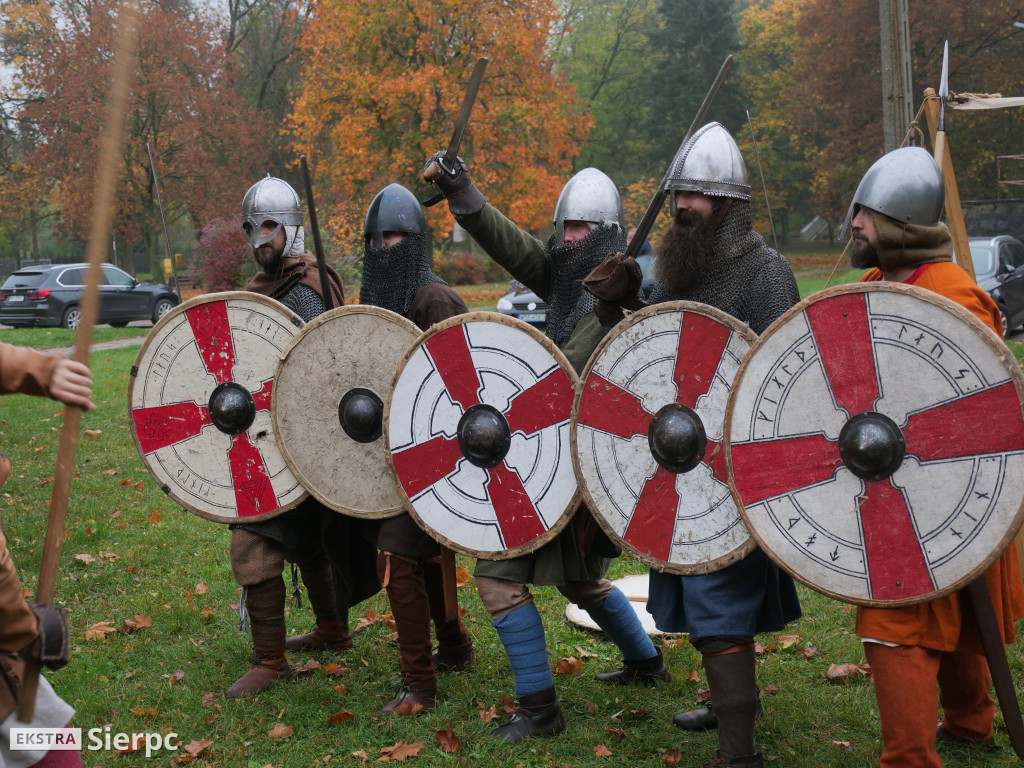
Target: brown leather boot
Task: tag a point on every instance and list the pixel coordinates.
(750, 761)
(410, 702)
(331, 630)
(261, 675)
(538, 714)
(454, 645)
(733, 685)
(326, 636)
(265, 604)
(410, 608)
(453, 659)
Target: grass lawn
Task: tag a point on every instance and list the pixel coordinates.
(158, 578)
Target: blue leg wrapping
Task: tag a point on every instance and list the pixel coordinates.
(618, 620)
(522, 634)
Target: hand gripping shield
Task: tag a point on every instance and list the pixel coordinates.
(875, 443)
(477, 435)
(328, 407)
(199, 403)
(647, 436)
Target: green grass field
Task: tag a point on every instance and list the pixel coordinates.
(129, 553)
(159, 579)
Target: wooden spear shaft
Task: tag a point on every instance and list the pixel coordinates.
(99, 235)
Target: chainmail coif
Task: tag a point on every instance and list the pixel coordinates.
(743, 276)
(567, 300)
(392, 276)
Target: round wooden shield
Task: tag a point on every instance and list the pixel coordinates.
(647, 436)
(875, 442)
(328, 407)
(199, 403)
(476, 429)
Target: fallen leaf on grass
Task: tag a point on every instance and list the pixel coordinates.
(368, 618)
(447, 739)
(461, 576)
(758, 649)
(399, 752)
(196, 748)
(280, 731)
(137, 742)
(85, 558)
(92, 432)
(844, 745)
(585, 654)
(202, 589)
(770, 689)
(408, 709)
(844, 674)
(175, 676)
(340, 717)
(703, 695)
(672, 756)
(341, 689)
(143, 711)
(568, 666)
(361, 754)
(124, 483)
(40, 448)
(507, 703)
(487, 714)
(810, 652)
(154, 517)
(615, 732)
(305, 667)
(140, 622)
(334, 670)
(209, 699)
(694, 676)
(113, 471)
(139, 485)
(591, 707)
(787, 641)
(207, 612)
(602, 751)
(99, 630)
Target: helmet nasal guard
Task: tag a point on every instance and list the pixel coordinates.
(905, 185)
(394, 209)
(588, 196)
(270, 199)
(709, 163)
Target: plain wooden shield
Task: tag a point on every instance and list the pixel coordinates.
(875, 442)
(199, 406)
(476, 428)
(328, 407)
(647, 436)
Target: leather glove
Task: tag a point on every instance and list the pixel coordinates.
(615, 283)
(457, 187)
(51, 648)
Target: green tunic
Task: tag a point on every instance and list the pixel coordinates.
(562, 559)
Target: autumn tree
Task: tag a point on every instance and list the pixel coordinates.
(814, 76)
(207, 146)
(383, 82)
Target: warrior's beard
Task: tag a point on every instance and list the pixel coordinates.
(268, 257)
(863, 254)
(684, 251)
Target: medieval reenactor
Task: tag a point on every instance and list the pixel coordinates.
(711, 255)
(898, 235)
(36, 633)
(311, 536)
(588, 226)
(397, 276)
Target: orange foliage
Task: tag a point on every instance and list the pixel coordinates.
(383, 83)
(182, 101)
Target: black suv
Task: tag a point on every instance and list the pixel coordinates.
(999, 268)
(50, 295)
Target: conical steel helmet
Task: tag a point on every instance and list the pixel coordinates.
(588, 196)
(394, 209)
(269, 199)
(710, 163)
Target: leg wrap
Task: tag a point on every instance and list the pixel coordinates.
(619, 621)
(522, 634)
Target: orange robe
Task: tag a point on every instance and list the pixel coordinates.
(938, 624)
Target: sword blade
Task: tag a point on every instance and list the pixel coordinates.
(644, 227)
(467, 108)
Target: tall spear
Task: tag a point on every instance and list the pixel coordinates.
(99, 236)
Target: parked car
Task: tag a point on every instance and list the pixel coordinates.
(999, 269)
(50, 295)
(526, 305)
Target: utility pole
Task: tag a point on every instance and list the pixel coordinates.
(897, 88)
